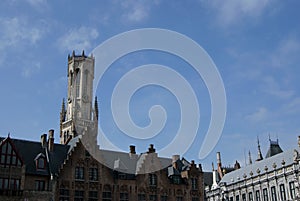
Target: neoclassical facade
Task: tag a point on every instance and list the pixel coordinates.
(274, 178)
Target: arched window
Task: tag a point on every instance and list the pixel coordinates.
(78, 83)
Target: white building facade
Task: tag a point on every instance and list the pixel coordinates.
(275, 178)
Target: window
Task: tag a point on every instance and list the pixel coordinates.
(273, 193)
(176, 179)
(93, 174)
(194, 184)
(250, 196)
(141, 197)
(64, 194)
(106, 196)
(124, 196)
(11, 184)
(93, 195)
(152, 197)
(79, 173)
(244, 197)
(78, 83)
(179, 198)
(257, 195)
(8, 155)
(237, 198)
(152, 179)
(195, 199)
(41, 163)
(231, 199)
(39, 185)
(79, 195)
(282, 192)
(292, 190)
(265, 194)
(163, 198)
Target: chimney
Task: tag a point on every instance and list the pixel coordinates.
(175, 158)
(44, 140)
(51, 140)
(219, 163)
(132, 149)
(151, 149)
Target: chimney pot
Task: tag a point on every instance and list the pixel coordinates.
(51, 140)
(151, 149)
(44, 140)
(132, 149)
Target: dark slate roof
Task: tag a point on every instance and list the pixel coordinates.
(125, 162)
(29, 150)
(273, 149)
(208, 178)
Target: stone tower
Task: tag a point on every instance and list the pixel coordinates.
(78, 116)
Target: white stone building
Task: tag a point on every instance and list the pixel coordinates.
(275, 178)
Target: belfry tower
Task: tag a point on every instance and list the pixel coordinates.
(78, 116)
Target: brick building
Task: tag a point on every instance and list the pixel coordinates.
(76, 169)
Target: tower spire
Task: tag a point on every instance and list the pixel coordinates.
(250, 159)
(259, 157)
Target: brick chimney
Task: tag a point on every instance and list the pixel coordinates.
(132, 149)
(44, 140)
(151, 149)
(51, 140)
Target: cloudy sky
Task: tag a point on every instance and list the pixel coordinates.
(255, 45)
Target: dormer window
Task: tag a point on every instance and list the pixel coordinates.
(40, 161)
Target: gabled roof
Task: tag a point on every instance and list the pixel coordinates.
(29, 150)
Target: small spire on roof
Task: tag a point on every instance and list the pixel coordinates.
(259, 157)
(250, 159)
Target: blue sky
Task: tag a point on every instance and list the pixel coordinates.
(255, 45)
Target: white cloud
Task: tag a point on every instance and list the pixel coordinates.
(15, 30)
(39, 5)
(232, 11)
(286, 52)
(293, 107)
(259, 115)
(78, 39)
(16, 33)
(137, 11)
(31, 69)
(272, 87)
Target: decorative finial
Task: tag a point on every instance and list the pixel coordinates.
(259, 157)
(83, 53)
(73, 53)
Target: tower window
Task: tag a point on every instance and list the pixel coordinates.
(78, 84)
